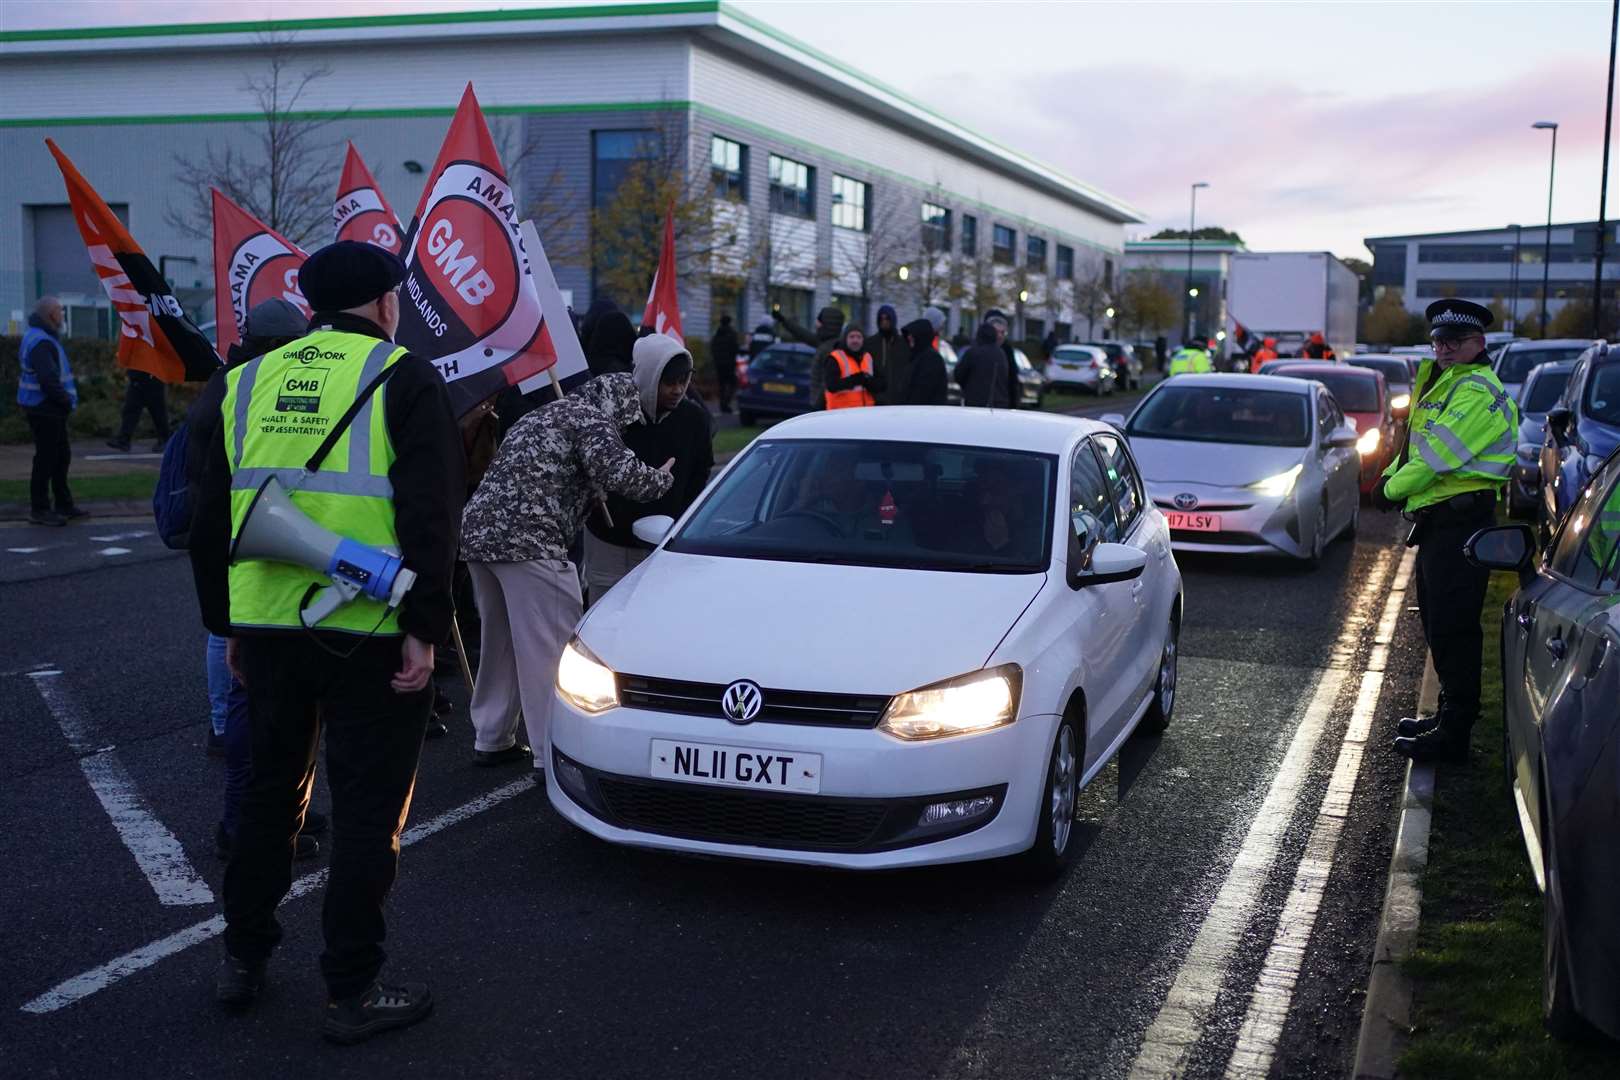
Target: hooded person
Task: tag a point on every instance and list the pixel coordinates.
(1317, 348)
(936, 318)
(983, 372)
(763, 337)
(1266, 351)
(847, 373)
(610, 345)
(927, 384)
(828, 333)
(723, 349)
(585, 325)
(891, 358)
(547, 477)
(673, 428)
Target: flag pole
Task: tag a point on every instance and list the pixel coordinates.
(461, 652)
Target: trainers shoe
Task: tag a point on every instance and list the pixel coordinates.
(46, 517)
(382, 1007)
(1416, 725)
(511, 755)
(1437, 745)
(237, 983)
(74, 513)
(436, 729)
(119, 444)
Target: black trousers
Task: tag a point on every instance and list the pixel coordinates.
(725, 381)
(1451, 596)
(144, 393)
(373, 742)
(52, 454)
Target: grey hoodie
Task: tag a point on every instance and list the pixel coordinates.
(652, 355)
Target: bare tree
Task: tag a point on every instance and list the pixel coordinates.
(1147, 303)
(871, 260)
(551, 202)
(289, 179)
(1089, 292)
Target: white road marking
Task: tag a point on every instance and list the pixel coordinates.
(113, 551)
(1181, 1019)
(24, 551)
(1274, 989)
(132, 455)
(99, 978)
(113, 538)
(157, 852)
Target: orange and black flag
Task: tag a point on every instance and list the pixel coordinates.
(158, 338)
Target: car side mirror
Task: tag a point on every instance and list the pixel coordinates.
(1114, 418)
(1559, 425)
(1343, 436)
(1093, 563)
(653, 529)
(1502, 547)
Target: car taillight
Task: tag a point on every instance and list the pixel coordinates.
(1095, 366)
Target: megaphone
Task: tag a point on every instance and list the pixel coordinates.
(277, 531)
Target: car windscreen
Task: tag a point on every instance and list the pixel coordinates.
(775, 361)
(1224, 414)
(1074, 354)
(911, 506)
(1395, 371)
(1516, 363)
(1602, 401)
(1543, 393)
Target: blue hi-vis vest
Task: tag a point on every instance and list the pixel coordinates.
(29, 394)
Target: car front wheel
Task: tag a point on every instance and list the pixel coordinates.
(1157, 717)
(1557, 996)
(1054, 824)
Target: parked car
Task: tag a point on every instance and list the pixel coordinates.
(1560, 685)
(1542, 389)
(1397, 376)
(1582, 430)
(1015, 556)
(1031, 382)
(778, 383)
(1248, 464)
(1518, 357)
(1127, 366)
(1364, 398)
(1081, 367)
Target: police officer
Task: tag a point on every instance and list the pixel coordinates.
(1191, 359)
(394, 479)
(1453, 464)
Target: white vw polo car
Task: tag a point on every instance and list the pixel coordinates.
(883, 637)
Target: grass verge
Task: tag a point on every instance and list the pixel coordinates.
(1477, 967)
(732, 440)
(130, 485)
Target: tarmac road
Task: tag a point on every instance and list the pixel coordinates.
(552, 954)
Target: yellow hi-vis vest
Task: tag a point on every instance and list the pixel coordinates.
(277, 409)
(1190, 362)
(1463, 437)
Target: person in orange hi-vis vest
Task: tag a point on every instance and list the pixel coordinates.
(1266, 351)
(850, 380)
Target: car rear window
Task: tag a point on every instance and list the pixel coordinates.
(1394, 371)
(1602, 401)
(1224, 414)
(1077, 354)
(1515, 364)
(776, 361)
(1354, 393)
(1542, 393)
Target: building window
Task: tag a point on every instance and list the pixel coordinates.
(1108, 273)
(1035, 254)
(970, 234)
(1064, 332)
(1003, 241)
(968, 324)
(793, 187)
(936, 227)
(728, 164)
(849, 199)
(1065, 263)
(796, 304)
(615, 154)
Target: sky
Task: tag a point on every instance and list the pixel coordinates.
(1316, 124)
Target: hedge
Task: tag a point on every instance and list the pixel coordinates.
(101, 391)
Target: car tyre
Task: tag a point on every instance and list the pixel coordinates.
(1354, 525)
(1313, 558)
(1557, 996)
(1055, 838)
(1163, 705)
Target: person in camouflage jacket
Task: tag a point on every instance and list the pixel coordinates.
(552, 470)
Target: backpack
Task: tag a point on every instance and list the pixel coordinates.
(171, 499)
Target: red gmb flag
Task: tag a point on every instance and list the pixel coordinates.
(360, 212)
(469, 302)
(252, 263)
(156, 336)
(663, 312)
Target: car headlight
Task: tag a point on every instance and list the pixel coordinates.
(585, 681)
(1368, 443)
(1400, 401)
(977, 701)
(1281, 484)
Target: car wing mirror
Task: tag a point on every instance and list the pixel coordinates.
(1114, 418)
(653, 529)
(1560, 425)
(1343, 436)
(1502, 547)
(1109, 563)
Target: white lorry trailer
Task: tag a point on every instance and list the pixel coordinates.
(1290, 295)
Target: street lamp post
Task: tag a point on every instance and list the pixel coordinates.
(1513, 276)
(1546, 250)
(1190, 295)
(1603, 186)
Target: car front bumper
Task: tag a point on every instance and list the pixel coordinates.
(865, 817)
(1250, 524)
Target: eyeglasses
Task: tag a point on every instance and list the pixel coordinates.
(1452, 344)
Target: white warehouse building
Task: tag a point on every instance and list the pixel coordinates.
(831, 187)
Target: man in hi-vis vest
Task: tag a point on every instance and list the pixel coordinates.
(394, 479)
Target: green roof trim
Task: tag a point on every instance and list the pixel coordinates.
(343, 114)
(340, 22)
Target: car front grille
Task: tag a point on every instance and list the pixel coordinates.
(778, 706)
(741, 817)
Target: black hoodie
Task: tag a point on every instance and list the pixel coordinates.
(927, 383)
(984, 372)
(611, 344)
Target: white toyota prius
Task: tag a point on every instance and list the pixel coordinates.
(883, 637)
